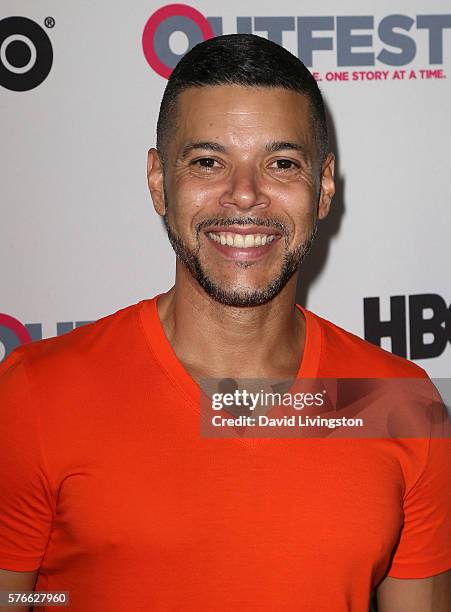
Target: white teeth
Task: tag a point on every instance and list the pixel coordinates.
(242, 241)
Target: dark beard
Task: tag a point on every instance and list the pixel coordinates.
(190, 258)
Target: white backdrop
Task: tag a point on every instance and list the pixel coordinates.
(78, 235)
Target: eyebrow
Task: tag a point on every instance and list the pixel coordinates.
(208, 146)
(282, 145)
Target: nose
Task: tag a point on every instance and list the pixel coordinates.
(244, 190)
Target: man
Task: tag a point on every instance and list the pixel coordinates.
(108, 489)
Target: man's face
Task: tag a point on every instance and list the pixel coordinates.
(242, 189)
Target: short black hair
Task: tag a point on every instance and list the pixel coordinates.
(241, 59)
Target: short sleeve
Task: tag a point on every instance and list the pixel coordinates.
(424, 547)
(26, 504)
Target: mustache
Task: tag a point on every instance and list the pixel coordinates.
(229, 221)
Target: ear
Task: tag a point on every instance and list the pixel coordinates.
(155, 180)
(327, 188)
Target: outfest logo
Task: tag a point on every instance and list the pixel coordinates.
(356, 44)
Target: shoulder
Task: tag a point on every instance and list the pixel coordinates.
(70, 352)
(344, 354)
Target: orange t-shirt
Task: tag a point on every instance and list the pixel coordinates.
(108, 487)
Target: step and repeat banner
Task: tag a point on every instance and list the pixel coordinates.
(80, 87)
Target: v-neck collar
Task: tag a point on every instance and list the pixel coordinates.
(186, 385)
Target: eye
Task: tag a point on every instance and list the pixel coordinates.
(284, 165)
(205, 163)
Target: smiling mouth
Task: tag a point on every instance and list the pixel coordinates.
(244, 244)
(242, 241)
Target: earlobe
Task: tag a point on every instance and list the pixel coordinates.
(327, 190)
(155, 180)
(324, 208)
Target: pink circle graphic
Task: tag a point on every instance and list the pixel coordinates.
(16, 327)
(170, 10)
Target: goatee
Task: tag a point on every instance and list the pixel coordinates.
(190, 258)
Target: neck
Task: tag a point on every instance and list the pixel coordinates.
(212, 339)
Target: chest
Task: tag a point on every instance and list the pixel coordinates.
(309, 501)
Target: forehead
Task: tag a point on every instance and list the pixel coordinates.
(236, 112)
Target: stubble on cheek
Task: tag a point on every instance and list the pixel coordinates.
(242, 295)
(237, 294)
